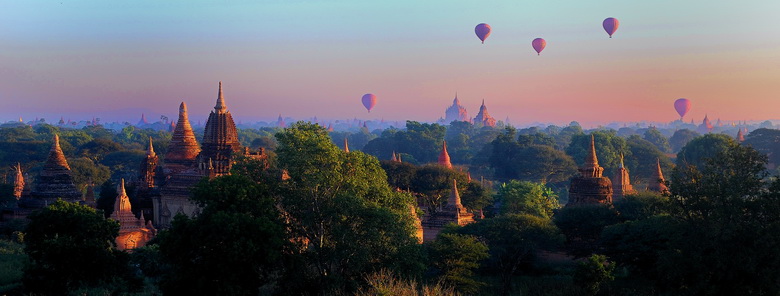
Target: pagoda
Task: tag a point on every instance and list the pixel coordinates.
(705, 126)
(456, 112)
(621, 183)
(55, 181)
(184, 149)
(740, 136)
(483, 117)
(453, 212)
(590, 187)
(444, 157)
(18, 181)
(133, 232)
(220, 139)
(657, 182)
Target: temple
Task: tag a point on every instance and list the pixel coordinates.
(186, 163)
(590, 187)
(453, 212)
(657, 182)
(444, 157)
(483, 117)
(621, 183)
(134, 232)
(740, 136)
(18, 181)
(456, 112)
(55, 181)
(705, 126)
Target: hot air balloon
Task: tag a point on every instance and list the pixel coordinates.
(539, 45)
(682, 106)
(610, 25)
(369, 101)
(483, 31)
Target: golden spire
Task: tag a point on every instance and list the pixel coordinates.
(56, 157)
(454, 199)
(121, 190)
(346, 145)
(591, 160)
(150, 151)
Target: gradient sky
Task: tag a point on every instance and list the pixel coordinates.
(317, 58)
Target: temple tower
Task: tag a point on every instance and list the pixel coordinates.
(346, 145)
(452, 212)
(220, 138)
(590, 187)
(18, 181)
(483, 117)
(740, 136)
(657, 182)
(184, 149)
(456, 112)
(148, 167)
(444, 156)
(133, 232)
(621, 183)
(56, 180)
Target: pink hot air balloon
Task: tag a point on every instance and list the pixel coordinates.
(483, 31)
(369, 101)
(610, 25)
(539, 45)
(682, 106)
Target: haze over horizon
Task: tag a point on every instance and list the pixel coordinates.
(317, 58)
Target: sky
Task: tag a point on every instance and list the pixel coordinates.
(300, 59)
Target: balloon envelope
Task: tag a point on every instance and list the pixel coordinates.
(369, 101)
(539, 45)
(483, 31)
(682, 106)
(610, 25)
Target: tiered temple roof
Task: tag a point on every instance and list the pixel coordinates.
(705, 126)
(452, 212)
(220, 138)
(483, 117)
(184, 149)
(149, 167)
(133, 232)
(55, 181)
(740, 136)
(590, 187)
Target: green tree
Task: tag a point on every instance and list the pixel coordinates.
(681, 138)
(340, 211)
(698, 150)
(97, 149)
(514, 240)
(455, 257)
(583, 224)
(523, 197)
(766, 141)
(593, 273)
(70, 247)
(641, 159)
(655, 137)
(233, 247)
(608, 149)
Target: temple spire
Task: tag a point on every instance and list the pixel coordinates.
(183, 145)
(393, 158)
(444, 156)
(740, 136)
(346, 145)
(18, 181)
(220, 107)
(150, 151)
(121, 190)
(591, 160)
(454, 199)
(658, 183)
(56, 157)
(621, 161)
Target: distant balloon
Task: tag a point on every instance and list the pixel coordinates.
(610, 25)
(483, 31)
(369, 101)
(682, 106)
(539, 45)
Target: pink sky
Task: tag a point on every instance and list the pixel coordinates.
(305, 59)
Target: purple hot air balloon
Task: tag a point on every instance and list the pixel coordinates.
(483, 31)
(539, 45)
(369, 101)
(610, 25)
(682, 106)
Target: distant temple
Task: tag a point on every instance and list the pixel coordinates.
(133, 232)
(456, 112)
(444, 156)
(657, 182)
(621, 183)
(142, 121)
(740, 136)
(483, 117)
(590, 187)
(19, 184)
(453, 212)
(705, 126)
